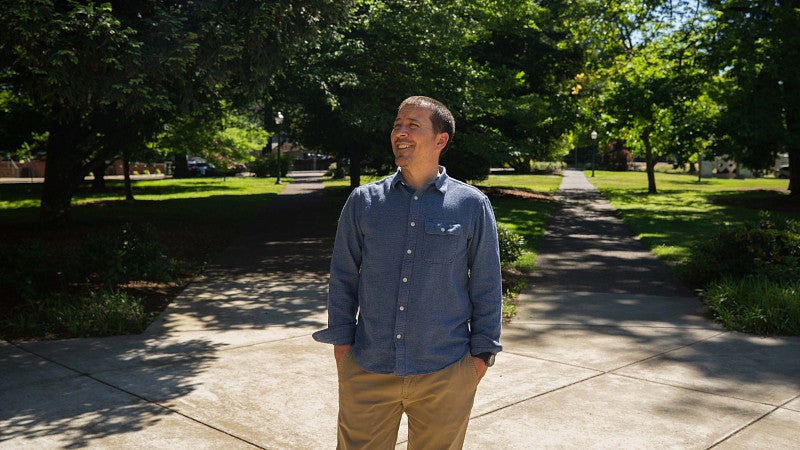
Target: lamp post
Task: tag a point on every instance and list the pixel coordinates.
(279, 122)
(594, 150)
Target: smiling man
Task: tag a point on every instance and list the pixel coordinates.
(415, 295)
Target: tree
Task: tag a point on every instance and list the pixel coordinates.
(756, 48)
(647, 79)
(499, 66)
(145, 61)
(529, 57)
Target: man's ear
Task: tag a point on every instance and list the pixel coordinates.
(441, 140)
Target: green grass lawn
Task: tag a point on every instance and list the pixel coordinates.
(197, 199)
(195, 218)
(685, 211)
(534, 183)
(525, 210)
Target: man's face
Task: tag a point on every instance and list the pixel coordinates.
(414, 143)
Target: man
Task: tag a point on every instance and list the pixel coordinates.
(414, 303)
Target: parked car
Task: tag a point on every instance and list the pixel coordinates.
(202, 169)
(783, 171)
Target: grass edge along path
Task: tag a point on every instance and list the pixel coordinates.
(684, 211)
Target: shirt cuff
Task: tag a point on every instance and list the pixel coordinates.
(336, 335)
(480, 345)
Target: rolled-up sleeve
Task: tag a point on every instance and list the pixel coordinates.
(344, 277)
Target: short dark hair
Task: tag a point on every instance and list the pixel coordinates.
(441, 117)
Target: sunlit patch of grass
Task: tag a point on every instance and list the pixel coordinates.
(684, 211)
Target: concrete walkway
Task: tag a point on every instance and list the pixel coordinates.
(607, 351)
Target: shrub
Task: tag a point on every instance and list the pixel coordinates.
(755, 305)
(336, 171)
(511, 245)
(619, 160)
(26, 270)
(749, 276)
(769, 247)
(45, 302)
(260, 167)
(130, 253)
(267, 165)
(62, 315)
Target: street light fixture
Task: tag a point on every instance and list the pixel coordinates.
(279, 122)
(594, 150)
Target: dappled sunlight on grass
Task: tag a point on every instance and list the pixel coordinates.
(206, 200)
(28, 195)
(685, 211)
(525, 217)
(535, 183)
(345, 182)
(186, 188)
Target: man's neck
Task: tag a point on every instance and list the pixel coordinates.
(416, 180)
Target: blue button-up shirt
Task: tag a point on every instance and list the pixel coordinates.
(415, 278)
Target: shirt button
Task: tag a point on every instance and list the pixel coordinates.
(405, 280)
(413, 224)
(399, 336)
(402, 308)
(408, 251)
(416, 197)
(442, 229)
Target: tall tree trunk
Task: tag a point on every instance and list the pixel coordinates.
(126, 169)
(793, 126)
(355, 166)
(180, 167)
(794, 172)
(62, 174)
(99, 172)
(651, 162)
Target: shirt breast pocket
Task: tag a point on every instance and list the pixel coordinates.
(441, 241)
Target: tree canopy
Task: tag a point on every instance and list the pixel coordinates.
(86, 81)
(755, 46)
(113, 73)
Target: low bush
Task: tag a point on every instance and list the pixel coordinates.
(336, 172)
(511, 245)
(63, 315)
(268, 165)
(769, 248)
(132, 252)
(748, 276)
(54, 294)
(755, 305)
(25, 268)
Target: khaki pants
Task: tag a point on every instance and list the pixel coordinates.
(438, 406)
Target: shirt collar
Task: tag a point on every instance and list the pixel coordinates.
(440, 183)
